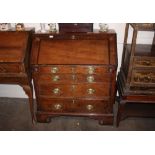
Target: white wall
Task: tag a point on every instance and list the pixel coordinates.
(143, 37)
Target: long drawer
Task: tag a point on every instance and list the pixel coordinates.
(75, 90)
(73, 78)
(76, 69)
(70, 105)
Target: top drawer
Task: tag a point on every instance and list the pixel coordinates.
(75, 27)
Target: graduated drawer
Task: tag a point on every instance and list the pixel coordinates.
(144, 62)
(76, 106)
(76, 90)
(11, 68)
(73, 78)
(85, 69)
(55, 105)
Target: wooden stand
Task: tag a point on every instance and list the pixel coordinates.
(136, 79)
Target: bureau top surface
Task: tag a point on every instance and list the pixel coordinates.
(13, 45)
(74, 48)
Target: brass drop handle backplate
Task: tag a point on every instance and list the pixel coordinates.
(91, 70)
(89, 107)
(54, 69)
(57, 106)
(90, 91)
(56, 91)
(90, 78)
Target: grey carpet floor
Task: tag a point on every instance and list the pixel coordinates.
(15, 116)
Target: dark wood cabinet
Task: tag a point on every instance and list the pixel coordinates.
(15, 47)
(74, 74)
(136, 79)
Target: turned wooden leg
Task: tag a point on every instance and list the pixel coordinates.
(29, 92)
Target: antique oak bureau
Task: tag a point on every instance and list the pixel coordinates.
(74, 75)
(136, 79)
(15, 60)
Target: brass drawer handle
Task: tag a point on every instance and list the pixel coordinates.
(51, 36)
(56, 91)
(89, 107)
(91, 70)
(57, 106)
(54, 69)
(90, 79)
(56, 78)
(73, 37)
(90, 91)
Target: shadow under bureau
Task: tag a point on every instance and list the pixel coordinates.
(74, 74)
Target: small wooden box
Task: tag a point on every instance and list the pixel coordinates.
(75, 27)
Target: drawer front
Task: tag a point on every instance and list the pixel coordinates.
(11, 68)
(76, 106)
(55, 69)
(93, 106)
(56, 78)
(78, 69)
(55, 105)
(98, 90)
(81, 78)
(56, 90)
(92, 69)
(72, 78)
(143, 78)
(144, 62)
